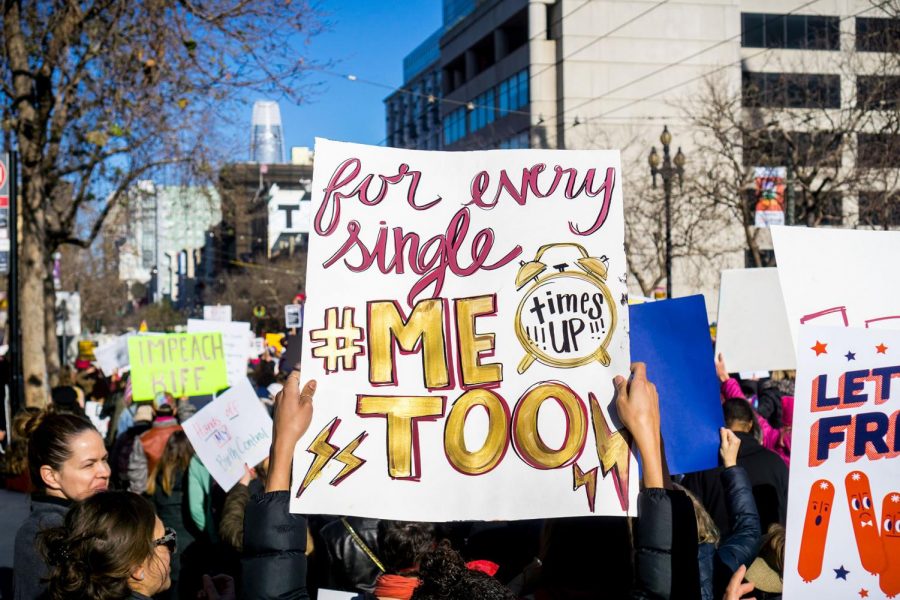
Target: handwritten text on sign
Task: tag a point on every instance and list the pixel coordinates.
(231, 431)
(467, 314)
(845, 467)
(182, 364)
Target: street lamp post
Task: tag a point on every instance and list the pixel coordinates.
(671, 167)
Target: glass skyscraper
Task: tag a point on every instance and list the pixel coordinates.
(267, 138)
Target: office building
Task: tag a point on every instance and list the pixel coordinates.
(266, 137)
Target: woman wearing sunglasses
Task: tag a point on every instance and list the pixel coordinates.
(111, 547)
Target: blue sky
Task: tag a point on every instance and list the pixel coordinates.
(368, 39)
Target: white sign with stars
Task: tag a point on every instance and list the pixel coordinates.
(844, 496)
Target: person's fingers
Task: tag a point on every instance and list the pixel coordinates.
(209, 587)
(723, 435)
(638, 370)
(309, 390)
(621, 386)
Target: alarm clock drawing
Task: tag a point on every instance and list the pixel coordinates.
(566, 318)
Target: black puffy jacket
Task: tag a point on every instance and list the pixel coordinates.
(274, 562)
(665, 547)
(740, 547)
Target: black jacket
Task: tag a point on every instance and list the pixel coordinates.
(274, 560)
(29, 567)
(717, 565)
(665, 547)
(768, 476)
(349, 566)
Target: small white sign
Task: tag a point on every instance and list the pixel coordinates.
(229, 432)
(113, 355)
(219, 312)
(293, 316)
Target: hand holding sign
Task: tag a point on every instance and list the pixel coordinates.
(293, 413)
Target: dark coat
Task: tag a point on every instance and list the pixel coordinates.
(29, 567)
(665, 547)
(350, 568)
(717, 565)
(768, 476)
(172, 509)
(274, 561)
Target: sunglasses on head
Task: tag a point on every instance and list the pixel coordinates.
(168, 540)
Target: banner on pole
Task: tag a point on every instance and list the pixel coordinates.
(844, 496)
(183, 364)
(469, 373)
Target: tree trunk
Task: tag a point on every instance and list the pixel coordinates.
(51, 350)
(33, 272)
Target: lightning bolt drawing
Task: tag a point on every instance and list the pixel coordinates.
(588, 481)
(351, 462)
(612, 450)
(323, 451)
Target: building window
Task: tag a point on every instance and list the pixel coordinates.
(802, 32)
(483, 113)
(520, 140)
(879, 209)
(771, 148)
(877, 35)
(874, 92)
(455, 126)
(877, 150)
(791, 90)
(832, 207)
(512, 93)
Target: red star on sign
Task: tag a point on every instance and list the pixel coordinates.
(882, 349)
(820, 348)
(863, 593)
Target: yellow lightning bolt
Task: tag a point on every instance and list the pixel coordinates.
(351, 461)
(612, 450)
(323, 452)
(588, 480)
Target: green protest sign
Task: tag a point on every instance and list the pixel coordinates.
(183, 364)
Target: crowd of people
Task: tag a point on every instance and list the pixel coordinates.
(122, 507)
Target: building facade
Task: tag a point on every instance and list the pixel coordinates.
(582, 74)
(165, 232)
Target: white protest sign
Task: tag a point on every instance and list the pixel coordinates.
(467, 312)
(844, 495)
(218, 312)
(237, 340)
(113, 355)
(752, 330)
(230, 431)
(830, 277)
(293, 316)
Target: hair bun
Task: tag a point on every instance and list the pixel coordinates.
(58, 553)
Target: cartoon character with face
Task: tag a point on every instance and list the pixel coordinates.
(815, 530)
(865, 522)
(889, 581)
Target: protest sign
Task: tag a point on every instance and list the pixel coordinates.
(469, 373)
(113, 355)
(238, 343)
(293, 316)
(183, 364)
(811, 263)
(672, 338)
(844, 495)
(218, 312)
(232, 430)
(752, 330)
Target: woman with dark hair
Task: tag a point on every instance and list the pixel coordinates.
(166, 489)
(402, 545)
(67, 463)
(110, 547)
(445, 575)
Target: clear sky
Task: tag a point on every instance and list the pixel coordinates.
(367, 38)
